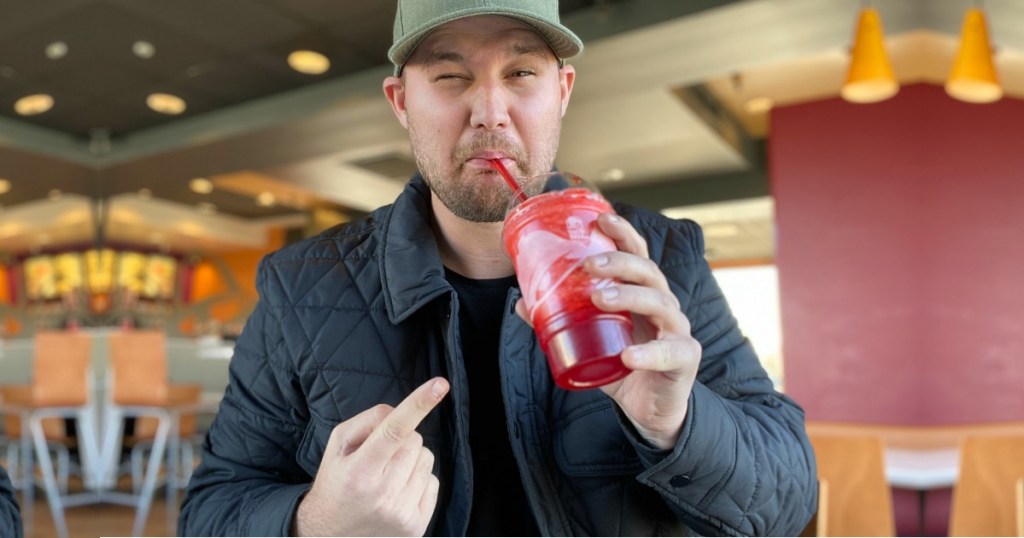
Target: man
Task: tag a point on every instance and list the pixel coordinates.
(386, 363)
(10, 517)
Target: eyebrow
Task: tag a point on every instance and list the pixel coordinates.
(516, 48)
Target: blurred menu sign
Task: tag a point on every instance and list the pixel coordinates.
(130, 271)
(99, 270)
(53, 276)
(40, 278)
(158, 282)
(70, 272)
(150, 276)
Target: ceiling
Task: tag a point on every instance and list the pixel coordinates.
(657, 117)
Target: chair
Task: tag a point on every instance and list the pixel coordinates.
(857, 499)
(983, 497)
(61, 388)
(142, 438)
(1020, 507)
(54, 430)
(164, 413)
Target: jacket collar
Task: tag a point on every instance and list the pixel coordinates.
(410, 265)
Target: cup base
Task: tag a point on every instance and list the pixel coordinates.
(587, 355)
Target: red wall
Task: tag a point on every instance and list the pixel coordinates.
(900, 248)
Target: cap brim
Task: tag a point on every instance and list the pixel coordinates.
(562, 41)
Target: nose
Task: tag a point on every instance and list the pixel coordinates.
(490, 105)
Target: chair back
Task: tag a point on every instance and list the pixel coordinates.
(857, 500)
(983, 497)
(138, 360)
(60, 369)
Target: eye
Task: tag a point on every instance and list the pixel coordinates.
(520, 73)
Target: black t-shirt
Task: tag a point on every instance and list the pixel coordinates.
(499, 501)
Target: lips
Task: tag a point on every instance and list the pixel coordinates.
(484, 158)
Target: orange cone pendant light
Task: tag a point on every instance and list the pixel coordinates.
(973, 78)
(870, 77)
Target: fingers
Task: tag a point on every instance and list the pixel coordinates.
(347, 436)
(660, 307)
(389, 436)
(675, 357)
(626, 238)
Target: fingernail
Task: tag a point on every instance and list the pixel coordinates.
(437, 389)
(610, 294)
(637, 357)
(613, 218)
(601, 260)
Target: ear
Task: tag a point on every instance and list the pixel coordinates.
(566, 76)
(394, 90)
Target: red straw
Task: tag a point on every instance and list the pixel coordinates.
(500, 167)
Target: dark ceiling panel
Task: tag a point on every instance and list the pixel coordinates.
(33, 176)
(232, 25)
(15, 15)
(231, 83)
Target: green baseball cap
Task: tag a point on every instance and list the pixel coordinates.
(415, 19)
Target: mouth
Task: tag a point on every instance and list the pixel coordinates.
(482, 159)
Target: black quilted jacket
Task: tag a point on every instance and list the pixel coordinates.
(362, 314)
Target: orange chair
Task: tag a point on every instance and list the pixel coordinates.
(61, 388)
(140, 388)
(857, 500)
(54, 430)
(984, 496)
(1020, 507)
(142, 438)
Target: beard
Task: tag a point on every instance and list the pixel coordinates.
(470, 193)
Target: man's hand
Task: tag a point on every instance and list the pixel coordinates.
(376, 477)
(664, 356)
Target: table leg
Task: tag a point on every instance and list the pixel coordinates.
(921, 519)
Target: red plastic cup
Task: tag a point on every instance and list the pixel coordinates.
(548, 236)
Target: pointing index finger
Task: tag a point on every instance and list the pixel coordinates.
(402, 421)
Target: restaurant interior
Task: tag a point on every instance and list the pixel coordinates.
(855, 166)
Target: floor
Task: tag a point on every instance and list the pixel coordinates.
(100, 520)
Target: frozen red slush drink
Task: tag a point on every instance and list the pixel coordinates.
(548, 236)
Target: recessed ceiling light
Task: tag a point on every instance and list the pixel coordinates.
(55, 194)
(145, 194)
(758, 105)
(56, 50)
(5, 186)
(613, 174)
(265, 199)
(309, 62)
(165, 103)
(30, 105)
(143, 49)
(206, 208)
(201, 185)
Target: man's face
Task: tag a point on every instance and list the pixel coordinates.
(476, 89)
